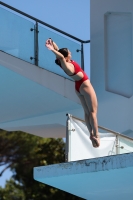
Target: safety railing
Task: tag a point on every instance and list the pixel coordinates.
(124, 144)
(79, 146)
(24, 36)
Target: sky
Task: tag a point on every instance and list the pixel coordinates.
(71, 16)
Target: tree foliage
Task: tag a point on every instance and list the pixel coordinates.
(21, 152)
(12, 191)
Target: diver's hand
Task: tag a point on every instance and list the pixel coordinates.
(49, 44)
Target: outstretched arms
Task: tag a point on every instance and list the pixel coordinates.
(54, 48)
(66, 66)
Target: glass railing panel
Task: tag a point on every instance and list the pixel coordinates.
(87, 59)
(16, 38)
(124, 145)
(47, 58)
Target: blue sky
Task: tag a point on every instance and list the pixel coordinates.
(71, 16)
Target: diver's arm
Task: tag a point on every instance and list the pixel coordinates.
(65, 65)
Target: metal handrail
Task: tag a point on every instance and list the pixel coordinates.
(41, 22)
(103, 128)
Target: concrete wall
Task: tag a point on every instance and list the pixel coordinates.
(111, 27)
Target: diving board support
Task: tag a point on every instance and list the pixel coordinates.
(67, 140)
(117, 144)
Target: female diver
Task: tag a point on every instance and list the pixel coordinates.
(83, 88)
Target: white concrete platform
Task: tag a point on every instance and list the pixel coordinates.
(33, 99)
(105, 178)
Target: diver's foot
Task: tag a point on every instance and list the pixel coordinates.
(95, 141)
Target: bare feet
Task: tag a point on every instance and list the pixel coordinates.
(95, 140)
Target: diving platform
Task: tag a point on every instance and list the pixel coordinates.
(92, 173)
(102, 178)
(33, 99)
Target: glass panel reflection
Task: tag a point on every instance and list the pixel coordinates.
(16, 38)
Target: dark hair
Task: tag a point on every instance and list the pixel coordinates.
(64, 52)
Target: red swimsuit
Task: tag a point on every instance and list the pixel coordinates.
(78, 69)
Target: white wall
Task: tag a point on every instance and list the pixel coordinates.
(111, 36)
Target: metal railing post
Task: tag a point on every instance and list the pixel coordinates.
(68, 138)
(35, 29)
(117, 145)
(36, 42)
(67, 141)
(82, 56)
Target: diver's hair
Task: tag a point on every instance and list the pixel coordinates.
(57, 61)
(64, 52)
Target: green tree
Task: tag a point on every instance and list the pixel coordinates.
(12, 191)
(21, 152)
